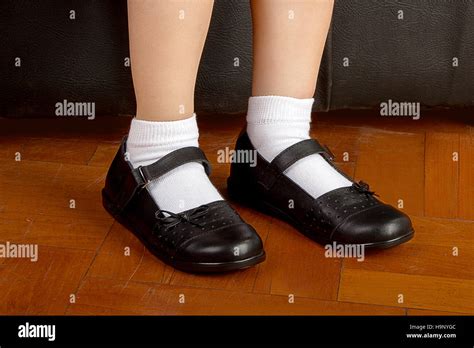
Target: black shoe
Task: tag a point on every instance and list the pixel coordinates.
(348, 215)
(210, 238)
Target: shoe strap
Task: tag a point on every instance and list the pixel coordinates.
(145, 174)
(290, 156)
(302, 149)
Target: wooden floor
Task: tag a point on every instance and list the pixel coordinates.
(82, 250)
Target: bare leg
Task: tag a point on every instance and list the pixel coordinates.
(289, 38)
(166, 42)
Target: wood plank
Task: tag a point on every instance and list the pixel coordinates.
(416, 259)
(242, 280)
(392, 164)
(73, 151)
(104, 155)
(10, 146)
(443, 232)
(24, 185)
(114, 297)
(14, 230)
(134, 263)
(68, 232)
(442, 120)
(342, 141)
(80, 183)
(466, 177)
(441, 175)
(296, 265)
(427, 312)
(54, 231)
(441, 247)
(42, 287)
(422, 292)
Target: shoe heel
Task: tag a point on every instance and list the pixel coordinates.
(108, 205)
(244, 195)
(239, 192)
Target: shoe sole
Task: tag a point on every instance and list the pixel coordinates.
(238, 194)
(189, 267)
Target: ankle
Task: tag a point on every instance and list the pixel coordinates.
(275, 123)
(148, 141)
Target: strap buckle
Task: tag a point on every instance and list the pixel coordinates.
(140, 177)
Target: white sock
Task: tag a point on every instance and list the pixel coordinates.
(183, 188)
(275, 123)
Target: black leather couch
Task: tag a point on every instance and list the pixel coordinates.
(406, 59)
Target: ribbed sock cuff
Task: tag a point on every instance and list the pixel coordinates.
(151, 133)
(277, 109)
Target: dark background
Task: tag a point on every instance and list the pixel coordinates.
(83, 59)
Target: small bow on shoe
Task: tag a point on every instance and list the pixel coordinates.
(174, 219)
(363, 188)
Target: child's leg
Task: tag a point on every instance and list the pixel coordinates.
(300, 185)
(166, 43)
(289, 38)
